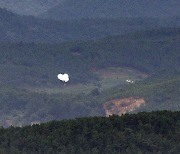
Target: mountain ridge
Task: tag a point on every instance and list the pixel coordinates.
(28, 7)
(78, 9)
(17, 28)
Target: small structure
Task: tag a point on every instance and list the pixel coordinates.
(130, 81)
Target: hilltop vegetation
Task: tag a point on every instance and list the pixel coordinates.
(155, 132)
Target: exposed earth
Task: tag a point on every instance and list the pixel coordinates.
(122, 105)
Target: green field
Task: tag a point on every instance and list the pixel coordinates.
(108, 78)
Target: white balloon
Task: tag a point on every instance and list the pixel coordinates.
(63, 77)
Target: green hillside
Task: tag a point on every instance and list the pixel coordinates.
(158, 94)
(22, 107)
(153, 52)
(35, 94)
(155, 132)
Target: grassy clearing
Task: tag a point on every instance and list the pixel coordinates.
(108, 78)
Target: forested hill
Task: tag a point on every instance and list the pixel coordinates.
(155, 132)
(31, 66)
(28, 7)
(78, 9)
(16, 28)
(150, 51)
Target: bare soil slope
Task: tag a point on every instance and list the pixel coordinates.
(122, 106)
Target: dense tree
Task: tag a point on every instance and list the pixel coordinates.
(155, 132)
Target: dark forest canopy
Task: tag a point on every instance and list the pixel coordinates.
(155, 132)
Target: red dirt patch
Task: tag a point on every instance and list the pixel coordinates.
(9, 122)
(122, 106)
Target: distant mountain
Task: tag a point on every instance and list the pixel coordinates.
(28, 7)
(77, 9)
(17, 28)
